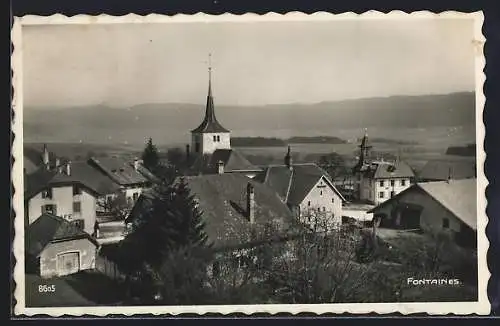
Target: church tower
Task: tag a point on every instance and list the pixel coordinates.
(210, 135)
(364, 149)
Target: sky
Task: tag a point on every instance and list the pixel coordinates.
(121, 65)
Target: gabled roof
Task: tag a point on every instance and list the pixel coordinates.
(293, 185)
(441, 170)
(387, 170)
(209, 123)
(456, 196)
(42, 179)
(33, 159)
(119, 170)
(51, 228)
(233, 161)
(222, 199)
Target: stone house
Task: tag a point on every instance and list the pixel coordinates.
(56, 247)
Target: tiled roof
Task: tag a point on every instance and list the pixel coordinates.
(33, 159)
(293, 185)
(387, 170)
(49, 228)
(41, 179)
(440, 170)
(222, 199)
(233, 161)
(119, 170)
(457, 196)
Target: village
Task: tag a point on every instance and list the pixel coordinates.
(79, 215)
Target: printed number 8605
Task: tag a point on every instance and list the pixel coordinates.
(47, 288)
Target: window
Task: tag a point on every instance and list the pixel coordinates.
(319, 209)
(79, 223)
(381, 183)
(309, 203)
(403, 182)
(324, 208)
(321, 193)
(333, 200)
(135, 196)
(197, 147)
(77, 207)
(215, 138)
(381, 194)
(47, 193)
(77, 190)
(446, 223)
(51, 209)
(218, 138)
(392, 183)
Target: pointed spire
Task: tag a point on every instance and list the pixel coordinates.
(210, 123)
(288, 158)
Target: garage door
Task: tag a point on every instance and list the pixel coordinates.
(68, 263)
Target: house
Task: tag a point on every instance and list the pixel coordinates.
(434, 206)
(211, 143)
(306, 189)
(65, 193)
(443, 170)
(57, 247)
(33, 159)
(129, 176)
(233, 207)
(379, 180)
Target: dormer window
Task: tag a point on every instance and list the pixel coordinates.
(47, 193)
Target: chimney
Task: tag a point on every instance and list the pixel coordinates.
(220, 167)
(136, 163)
(45, 156)
(288, 158)
(187, 153)
(68, 168)
(250, 203)
(450, 175)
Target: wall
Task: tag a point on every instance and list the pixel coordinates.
(63, 198)
(432, 214)
(129, 193)
(387, 188)
(207, 144)
(320, 196)
(48, 257)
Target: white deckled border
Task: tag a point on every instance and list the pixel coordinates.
(482, 306)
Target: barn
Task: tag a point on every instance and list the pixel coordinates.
(57, 247)
(434, 207)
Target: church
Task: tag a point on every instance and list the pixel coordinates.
(211, 145)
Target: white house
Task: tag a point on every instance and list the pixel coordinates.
(307, 190)
(61, 194)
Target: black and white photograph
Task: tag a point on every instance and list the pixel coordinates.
(271, 163)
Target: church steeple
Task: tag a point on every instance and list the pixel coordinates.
(364, 148)
(210, 123)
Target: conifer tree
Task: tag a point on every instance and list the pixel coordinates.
(150, 155)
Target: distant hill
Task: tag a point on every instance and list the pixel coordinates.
(171, 122)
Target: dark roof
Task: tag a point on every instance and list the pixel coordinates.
(209, 123)
(293, 185)
(233, 161)
(95, 179)
(33, 159)
(119, 170)
(440, 170)
(50, 228)
(386, 170)
(42, 178)
(457, 196)
(222, 199)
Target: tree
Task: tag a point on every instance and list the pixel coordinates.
(171, 221)
(150, 155)
(117, 205)
(334, 164)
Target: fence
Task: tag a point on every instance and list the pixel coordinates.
(109, 268)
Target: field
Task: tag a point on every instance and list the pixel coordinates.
(415, 146)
